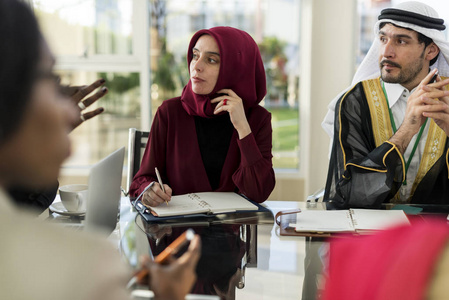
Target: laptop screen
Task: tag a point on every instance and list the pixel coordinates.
(104, 193)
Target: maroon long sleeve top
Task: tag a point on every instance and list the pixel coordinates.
(173, 148)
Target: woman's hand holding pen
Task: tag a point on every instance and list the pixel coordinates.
(155, 196)
(233, 104)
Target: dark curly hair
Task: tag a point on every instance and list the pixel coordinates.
(19, 55)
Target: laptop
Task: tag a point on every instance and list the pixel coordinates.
(103, 196)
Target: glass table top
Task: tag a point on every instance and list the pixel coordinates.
(243, 256)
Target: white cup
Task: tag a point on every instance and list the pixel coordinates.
(74, 197)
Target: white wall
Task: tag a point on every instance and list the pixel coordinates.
(328, 39)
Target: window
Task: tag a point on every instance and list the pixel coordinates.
(175, 21)
(93, 39)
(140, 47)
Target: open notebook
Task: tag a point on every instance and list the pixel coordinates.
(352, 220)
(205, 202)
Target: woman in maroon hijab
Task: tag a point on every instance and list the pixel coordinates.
(216, 136)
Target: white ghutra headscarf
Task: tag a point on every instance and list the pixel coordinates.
(416, 16)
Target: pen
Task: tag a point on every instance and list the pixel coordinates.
(159, 179)
(162, 258)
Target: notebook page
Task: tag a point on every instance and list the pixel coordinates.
(220, 202)
(377, 219)
(323, 221)
(181, 205)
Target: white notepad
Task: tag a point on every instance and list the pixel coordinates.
(206, 202)
(351, 220)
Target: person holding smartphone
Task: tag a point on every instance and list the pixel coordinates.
(390, 129)
(39, 260)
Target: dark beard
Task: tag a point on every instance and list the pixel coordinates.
(405, 76)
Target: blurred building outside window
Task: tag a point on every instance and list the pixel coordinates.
(108, 38)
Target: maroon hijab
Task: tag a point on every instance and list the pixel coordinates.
(241, 70)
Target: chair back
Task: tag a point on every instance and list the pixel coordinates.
(136, 146)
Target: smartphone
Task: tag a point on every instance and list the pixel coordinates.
(175, 247)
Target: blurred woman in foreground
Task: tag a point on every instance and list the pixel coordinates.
(38, 260)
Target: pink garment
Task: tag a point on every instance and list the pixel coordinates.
(173, 143)
(393, 264)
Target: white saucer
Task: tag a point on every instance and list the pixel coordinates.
(59, 208)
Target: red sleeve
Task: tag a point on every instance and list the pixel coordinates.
(255, 175)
